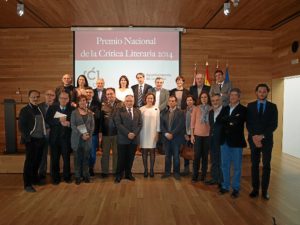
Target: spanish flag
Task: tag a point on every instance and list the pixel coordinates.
(207, 79)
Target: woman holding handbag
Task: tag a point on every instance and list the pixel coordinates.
(82, 124)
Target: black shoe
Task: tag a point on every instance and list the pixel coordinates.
(42, 176)
(202, 178)
(104, 175)
(266, 196)
(91, 171)
(211, 182)
(68, 181)
(56, 182)
(164, 176)
(223, 191)
(253, 194)
(146, 173)
(235, 194)
(151, 173)
(130, 177)
(177, 176)
(77, 181)
(117, 179)
(86, 180)
(29, 189)
(194, 179)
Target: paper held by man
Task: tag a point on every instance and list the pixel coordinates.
(59, 115)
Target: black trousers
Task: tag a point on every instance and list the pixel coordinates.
(126, 155)
(34, 152)
(256, 153)
(201, 147)
(62, 148)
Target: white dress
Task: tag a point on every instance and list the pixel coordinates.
(151, 125)
(122, 94)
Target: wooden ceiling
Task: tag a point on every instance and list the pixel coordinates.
(204, 14)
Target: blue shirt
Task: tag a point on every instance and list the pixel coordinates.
(264, 102)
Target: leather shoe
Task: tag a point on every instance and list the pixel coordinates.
(266, 196)
(151, 173)
(146, 173)
(223, 191)
(202, 178)
(235, 194)
(253, 194)
(77, 181)
(211, 182)
(194, 179)
(177, 176)
(165, 176)
(130, 177)
(87, 180)
(104, 175)
(29, 189)
(117, 179)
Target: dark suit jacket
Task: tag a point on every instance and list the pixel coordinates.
(135, 89)
(177, 126)
(57, 131)
(96, 97)
(95, 107)
(194, 91)
(185, 93)
(215, 127)
(163, 98)
(225, 90)
(233, 126)
(44, 108)
(125, 125)
(265, 125)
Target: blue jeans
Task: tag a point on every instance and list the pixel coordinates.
(171, 149)
(231, 155)
(95, 144)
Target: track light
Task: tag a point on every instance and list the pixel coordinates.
(20, 9)
(226, 8)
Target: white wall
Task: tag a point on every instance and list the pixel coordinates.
(291, 116)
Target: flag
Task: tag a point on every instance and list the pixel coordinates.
(227, 75)
(207, 79)
(195, 73)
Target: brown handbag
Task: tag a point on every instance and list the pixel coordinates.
(187, 151)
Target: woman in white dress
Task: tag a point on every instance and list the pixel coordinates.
(149, 132)
(123, 89)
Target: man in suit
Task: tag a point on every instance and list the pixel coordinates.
(66, 86)
(215, 133)
(232, 117)
(172, 127)
(99, 91)
(33, 131)
(221, 87)
(199, 87)
(129, 124)
(161, 94)
(60, 137)
(94, 106)
(44, 106)
(108, 130)
(140, 90)
(262, 121)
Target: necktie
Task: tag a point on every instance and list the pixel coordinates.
(261, 109)
(220, 86)
(130, 113)
(171, 116)
(140, 96)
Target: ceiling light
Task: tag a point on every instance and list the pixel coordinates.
(20, 9)
(226, 8)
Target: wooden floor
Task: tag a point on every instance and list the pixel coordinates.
(152, 201)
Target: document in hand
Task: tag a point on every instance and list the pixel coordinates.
(82, 128)
(59, 115)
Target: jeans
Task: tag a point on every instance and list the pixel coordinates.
(172, 149)
(231, 155)
(95, 144)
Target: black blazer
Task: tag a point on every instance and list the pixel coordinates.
(96, 97)
(57, 131)
(265, 125)
(177, 127)
(215, 127)
(194, 91)
(125, 124)
(185, 93)
(95, 107)
(135, 89)
(233, 126)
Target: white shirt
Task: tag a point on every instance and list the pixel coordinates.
(217, 112)
(232, 108)
(157, 96)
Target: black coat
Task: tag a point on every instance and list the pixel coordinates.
(215, 127)
(194, 91)
(233, 126)
(135, 89)
(95, 107)
(96, 98)
(185, 93)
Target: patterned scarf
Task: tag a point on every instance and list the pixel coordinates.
(204, 113)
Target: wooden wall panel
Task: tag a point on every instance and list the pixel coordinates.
(282, 53)
(32, 59)
(36, 58)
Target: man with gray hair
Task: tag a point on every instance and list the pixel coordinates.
(99, 91)
(199, 86)
(161, 94)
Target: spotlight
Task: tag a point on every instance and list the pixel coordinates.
(20, 9)
(226, 8)
(235, 3)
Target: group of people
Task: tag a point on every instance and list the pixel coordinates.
(211, 118)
